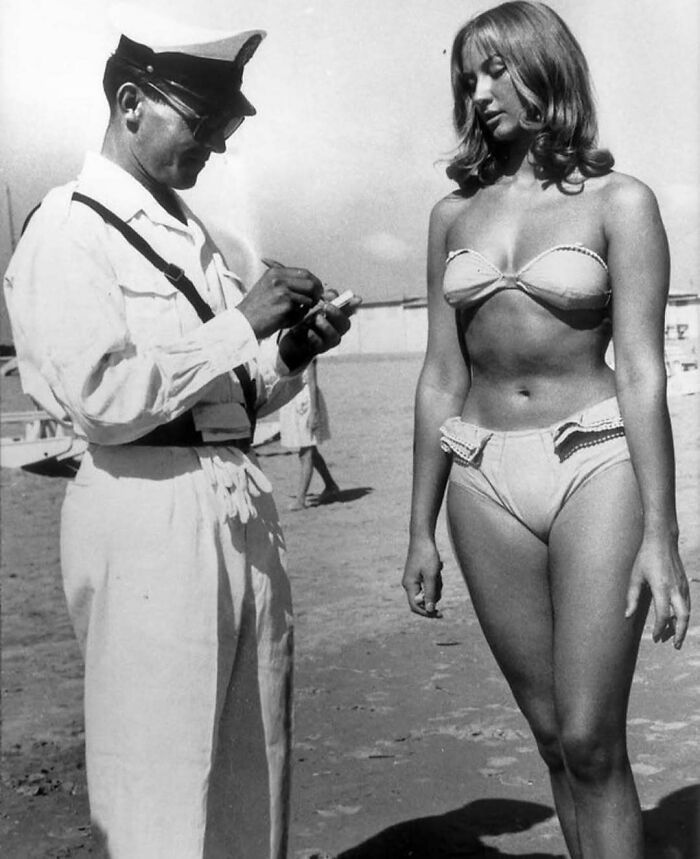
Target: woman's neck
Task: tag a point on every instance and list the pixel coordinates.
(516, 165)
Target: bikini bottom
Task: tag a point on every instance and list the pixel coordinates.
(533, 473)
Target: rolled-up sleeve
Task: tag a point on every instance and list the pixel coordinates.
(280, 385)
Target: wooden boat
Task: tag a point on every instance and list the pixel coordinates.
(37, 442)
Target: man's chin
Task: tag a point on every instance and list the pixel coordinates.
(187, 173)
(183, 184)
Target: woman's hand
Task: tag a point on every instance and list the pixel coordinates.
(658, 566)
(422, 579)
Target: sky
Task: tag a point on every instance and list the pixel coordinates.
(346, 157)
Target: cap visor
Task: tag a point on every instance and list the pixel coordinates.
(242, 106)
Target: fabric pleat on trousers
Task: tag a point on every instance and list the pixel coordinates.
(183, 611)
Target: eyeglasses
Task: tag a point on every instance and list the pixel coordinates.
(203, 126)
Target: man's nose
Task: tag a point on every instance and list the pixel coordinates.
(216, 142)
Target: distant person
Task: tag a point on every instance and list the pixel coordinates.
(561, 502)
(129, 325)
(304, 424)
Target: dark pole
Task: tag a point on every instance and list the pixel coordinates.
(10, 221)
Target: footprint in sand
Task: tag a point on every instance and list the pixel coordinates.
(338, 810)
(668, 726)
(481, 733)
(646, 769)
(515, 781)
(498, 763)
(495, 766)
(376, 696)
(380, 750)
(454, 714)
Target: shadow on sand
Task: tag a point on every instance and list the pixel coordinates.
(454, 834)
(341, 497)
(672, 829)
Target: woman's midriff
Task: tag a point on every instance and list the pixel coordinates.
(533, 401)
(531, 366)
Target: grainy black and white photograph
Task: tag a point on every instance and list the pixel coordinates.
(350, 478)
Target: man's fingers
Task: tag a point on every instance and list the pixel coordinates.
(337, 318)
(301, 281)
(316, 343)
(325, 329)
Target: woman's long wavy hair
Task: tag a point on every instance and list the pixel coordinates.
(550, 75)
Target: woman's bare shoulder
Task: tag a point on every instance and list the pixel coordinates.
(450, 207)
(622, 192)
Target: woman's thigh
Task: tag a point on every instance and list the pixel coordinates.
(593, 544)
(505, 568)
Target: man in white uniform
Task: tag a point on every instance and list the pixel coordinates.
(172, 554)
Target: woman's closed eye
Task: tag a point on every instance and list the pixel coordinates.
(468, 80)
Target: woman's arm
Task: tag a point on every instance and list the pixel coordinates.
(639, 268)
(442, 388)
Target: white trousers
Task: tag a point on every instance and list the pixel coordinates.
(174, 571)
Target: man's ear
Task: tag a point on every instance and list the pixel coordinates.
(129, 103)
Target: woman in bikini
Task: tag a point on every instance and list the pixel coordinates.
(559, 471)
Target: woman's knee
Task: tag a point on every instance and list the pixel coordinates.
(593, 754)
(550, 751)
(545, 731)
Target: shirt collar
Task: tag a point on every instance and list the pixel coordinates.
(112, 186)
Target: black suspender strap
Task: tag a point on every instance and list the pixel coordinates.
(181, 282)
(173, 273)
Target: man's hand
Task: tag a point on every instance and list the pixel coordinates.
(280, 299)
(319, 333)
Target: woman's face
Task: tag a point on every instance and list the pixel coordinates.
(489, 85)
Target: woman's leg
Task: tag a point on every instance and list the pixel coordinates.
(593, 544)
(306, 470)
(319, 464)
(505, 567)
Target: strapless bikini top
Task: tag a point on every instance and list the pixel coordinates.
(569, 277)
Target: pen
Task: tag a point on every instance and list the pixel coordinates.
(272, 263)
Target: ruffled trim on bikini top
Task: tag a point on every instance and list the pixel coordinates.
(569, 277)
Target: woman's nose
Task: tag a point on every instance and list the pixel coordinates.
(482, 90)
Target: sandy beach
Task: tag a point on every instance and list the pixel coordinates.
(406, 735)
